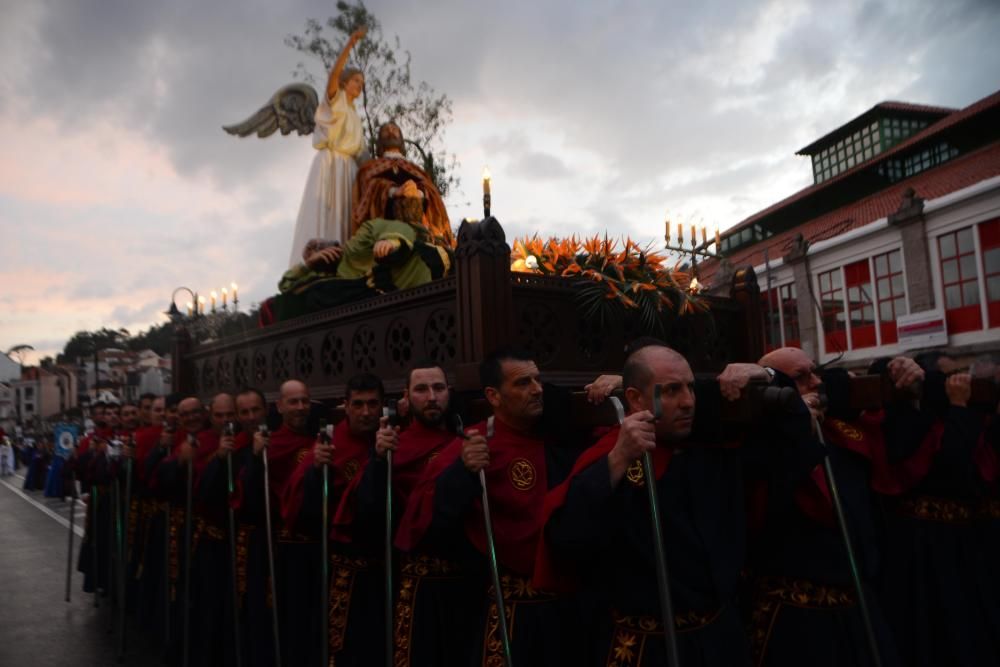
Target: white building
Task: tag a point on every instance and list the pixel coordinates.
(895, 246)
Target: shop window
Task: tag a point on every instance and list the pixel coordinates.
(989, 241)
(890, 292)
(831, 294)
(960, 281)
(860, 305)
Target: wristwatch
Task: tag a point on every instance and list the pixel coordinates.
(770, 374)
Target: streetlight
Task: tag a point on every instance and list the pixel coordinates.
(173, 312)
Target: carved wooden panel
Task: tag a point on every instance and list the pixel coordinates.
(241, 371)
(303, 360)
(332, 355)
(539, 332)
(441, 337)
(399, 345)
(281, 363)
(364, 349)
(224, 374)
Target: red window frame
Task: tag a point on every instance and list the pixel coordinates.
(890, 301)
(964, 314)
(860, 304)
(790, 312)
(831, 297)
(989, 243)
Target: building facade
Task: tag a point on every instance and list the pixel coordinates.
(895, 247)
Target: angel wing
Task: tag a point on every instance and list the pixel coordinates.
(291, 108)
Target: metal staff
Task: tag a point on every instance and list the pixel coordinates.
(188, 521)
(230, 431)
(72, 518)
(114, 547)
(662, 578)
(270, 550)
(93, 544)
(123, 555)
(388, 412)
(831, 482)
(494, 567)
(324, 438)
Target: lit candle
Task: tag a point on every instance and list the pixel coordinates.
(201, 305)
(486, 180)
(233, 285)
(704, 235)
(694, 239)
(190, 308)
(667, 235)
(718, 240)
(225, 295)
(214, 297)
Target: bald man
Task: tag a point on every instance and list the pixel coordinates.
(297, 554)
(799, 554)
(598, 524)
(166, 477)
(213, 630)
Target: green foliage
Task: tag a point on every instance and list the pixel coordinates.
(390, 93)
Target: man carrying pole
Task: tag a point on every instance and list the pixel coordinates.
(296, 570)
(599, 534)
(519, 464)
(354, 631)
(435, 598)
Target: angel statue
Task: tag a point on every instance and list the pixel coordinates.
(338, 138)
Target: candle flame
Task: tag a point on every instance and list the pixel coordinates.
(201, 300)
(225, 291)
(214, 294)
(486, 174)
(233, 285)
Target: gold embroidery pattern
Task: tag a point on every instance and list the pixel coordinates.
(242, 556)
(301, 455)
(132, 523)
(635, 474)
(522, 474)
(626, 648)
(343, 571)
(846, 429)
(775, 592)
(176, 526)
(351, 467)
(148, 512)
(492, 646)
(991, 509)
(929, 508)
(414, 568)
(516, 590)
(403, 630)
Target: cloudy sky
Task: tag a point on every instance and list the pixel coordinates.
(117, 185)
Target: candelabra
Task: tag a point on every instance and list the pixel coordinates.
(695, 249)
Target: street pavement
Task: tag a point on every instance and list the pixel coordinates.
(37, 627)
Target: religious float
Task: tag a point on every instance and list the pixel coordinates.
(378, 282)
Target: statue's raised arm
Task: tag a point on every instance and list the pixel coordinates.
(333, 84)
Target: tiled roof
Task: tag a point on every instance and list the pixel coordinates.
(949, 177)
(928, 132)
(891, 105)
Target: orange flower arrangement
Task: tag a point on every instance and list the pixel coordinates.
(612, 274)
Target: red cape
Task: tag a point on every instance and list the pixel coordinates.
(350, 454)
(516, 481)
(550, 572)
(418, 446)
